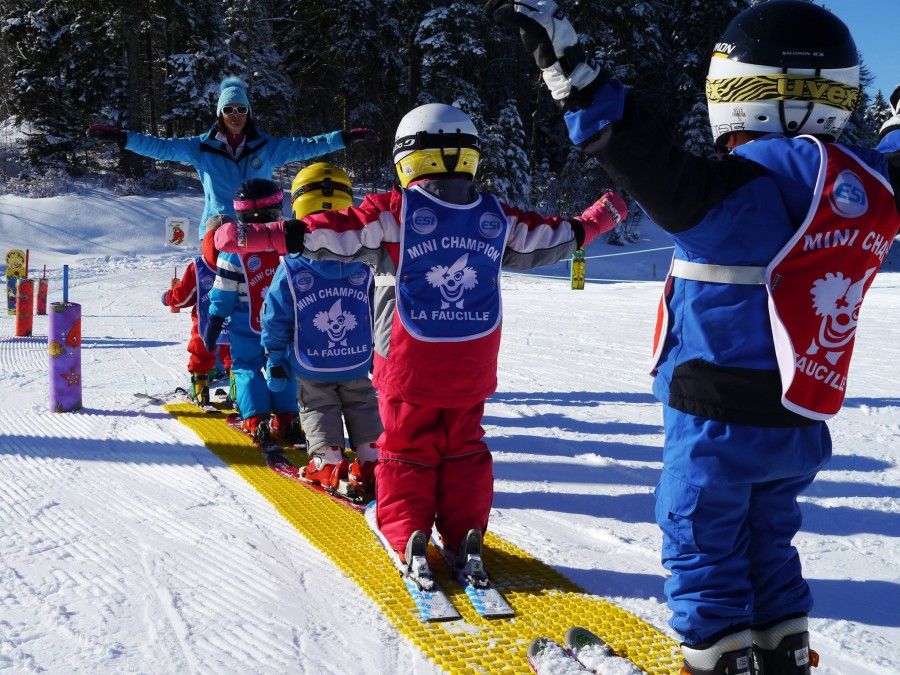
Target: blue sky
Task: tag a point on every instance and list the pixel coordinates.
(874, 25)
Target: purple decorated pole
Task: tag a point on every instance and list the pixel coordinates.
(64, 348)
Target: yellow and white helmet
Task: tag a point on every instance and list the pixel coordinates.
(320, 187)
(435, 139)
(783, 66)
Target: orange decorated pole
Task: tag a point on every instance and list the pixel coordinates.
(42, 294)
(173, 308)
(64, 350)
(24, 303)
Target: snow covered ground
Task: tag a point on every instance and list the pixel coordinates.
(127, 547)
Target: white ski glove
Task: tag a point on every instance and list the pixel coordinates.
(892, 123)
(552, 41)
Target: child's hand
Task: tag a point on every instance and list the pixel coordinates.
(232, 237)
(603, 215)
(212, 331)
(276, 373)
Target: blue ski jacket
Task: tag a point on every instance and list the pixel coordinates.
(221, 174)
(732, 209)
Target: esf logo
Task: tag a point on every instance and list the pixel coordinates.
(253, 263)
(207, 283)
(358, 278)
(304, 281)
(848, 198)
(423, 221)
(490, 225)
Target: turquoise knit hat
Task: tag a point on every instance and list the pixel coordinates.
(232, 92)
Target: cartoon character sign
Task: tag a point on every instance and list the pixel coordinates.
(15, 268)
(176, 231)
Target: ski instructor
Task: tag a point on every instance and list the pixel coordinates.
(777, 239)
(234, 150)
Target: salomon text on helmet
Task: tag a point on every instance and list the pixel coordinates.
(259, 200)
(435, 139)
(783, 66)
(320, 187)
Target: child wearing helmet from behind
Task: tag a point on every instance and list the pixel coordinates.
(437, 245)
(238, 294)
(317, 328)
(192, 290)
(777, 238)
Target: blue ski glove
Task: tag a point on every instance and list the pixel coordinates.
(165, 293)
(211, 332)
(276, 371)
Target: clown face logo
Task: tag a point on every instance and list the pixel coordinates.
(335, 323)
(837, 300)
(453, 281)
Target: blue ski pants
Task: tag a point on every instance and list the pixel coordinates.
(727, 506)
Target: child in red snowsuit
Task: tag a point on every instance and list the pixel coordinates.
(192, 290)
(437, 246)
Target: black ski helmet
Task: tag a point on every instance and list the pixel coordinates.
(783, 66)
(259, 200)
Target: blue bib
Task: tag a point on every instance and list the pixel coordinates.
(206, 277)
(332, 319)
(448, 277)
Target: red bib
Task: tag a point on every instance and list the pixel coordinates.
(817, 282)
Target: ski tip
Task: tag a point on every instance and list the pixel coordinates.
(577, 637)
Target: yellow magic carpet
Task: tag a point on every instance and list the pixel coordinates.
(545, 602)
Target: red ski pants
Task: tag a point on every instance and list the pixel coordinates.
(433, 469)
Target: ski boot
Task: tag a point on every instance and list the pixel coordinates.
(731, 655)
(287, 427)
(416, 559)
(783, 648)
(200, 389)
(327, 467)
(362, 471)
(469, 564)
(259, 429)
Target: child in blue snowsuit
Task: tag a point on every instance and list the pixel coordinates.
(238, 294)
(317, 330)
(776, 243)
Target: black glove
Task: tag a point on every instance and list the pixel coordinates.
(546, 32)
(276, 374)
(211, 332)
(892, 123)
(107, 134)
(359, 135)
(534, 37)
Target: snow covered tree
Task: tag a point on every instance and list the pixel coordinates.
(504, 167)
(58, 76)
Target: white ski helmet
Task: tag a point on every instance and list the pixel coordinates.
(435, 139)
(783, 66)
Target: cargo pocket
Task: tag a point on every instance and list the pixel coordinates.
(676, 502)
